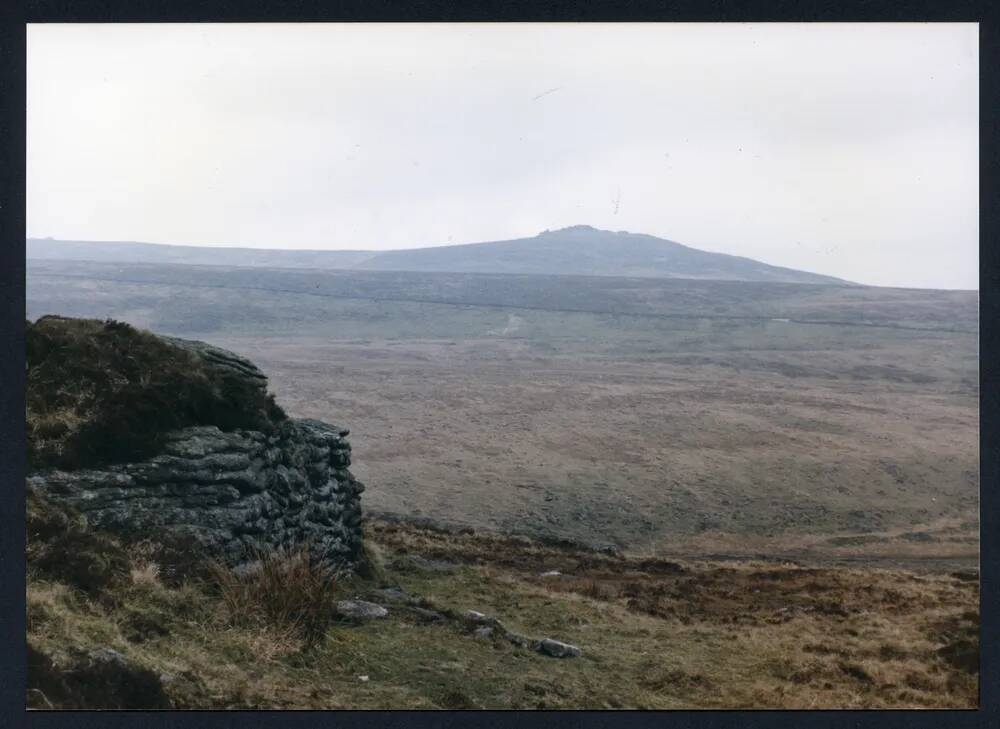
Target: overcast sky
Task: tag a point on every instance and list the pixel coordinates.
(849, 150)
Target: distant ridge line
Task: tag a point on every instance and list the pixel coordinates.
(576, 250)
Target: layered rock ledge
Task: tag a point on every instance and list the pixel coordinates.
(232, 494)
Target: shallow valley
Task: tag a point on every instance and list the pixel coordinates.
(661, 417)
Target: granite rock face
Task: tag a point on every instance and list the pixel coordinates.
(232, 494)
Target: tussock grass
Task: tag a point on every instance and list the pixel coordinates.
(288, 591)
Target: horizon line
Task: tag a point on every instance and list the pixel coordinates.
(377, 251)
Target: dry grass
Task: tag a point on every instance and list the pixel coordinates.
(654, 633)
(287, 591)
(783, 636)
(60, 547)
(146, 574)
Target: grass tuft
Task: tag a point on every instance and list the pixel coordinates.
(285, 590)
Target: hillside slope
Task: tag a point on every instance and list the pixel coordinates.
(583, 250)
(577, 250)
(653, 633)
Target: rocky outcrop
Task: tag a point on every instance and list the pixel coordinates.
(223, 362)
(233, 494)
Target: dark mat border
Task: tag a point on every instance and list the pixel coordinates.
(15, 13)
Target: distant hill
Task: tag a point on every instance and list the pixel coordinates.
(49, 249)
(587, 251)
(577, 250)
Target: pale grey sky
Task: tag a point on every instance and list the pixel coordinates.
(849, 150)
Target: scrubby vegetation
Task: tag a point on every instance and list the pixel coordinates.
(104, 392)
(286, 590)
(654, 633)
(61, 547)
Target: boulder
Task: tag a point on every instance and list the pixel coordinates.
(557, 649)
(360, 610)
(425, 615)
(393, 594)
(474, 616)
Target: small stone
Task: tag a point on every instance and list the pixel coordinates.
(518, 639)
(363, 679)
(476, 617)
(360, 610)
(551, 573)
(392, 594)
(108, 655)
(427, 616)
(558, 649)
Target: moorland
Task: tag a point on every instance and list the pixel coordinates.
(659, 416)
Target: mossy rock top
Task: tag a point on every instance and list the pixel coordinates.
(103, 392)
